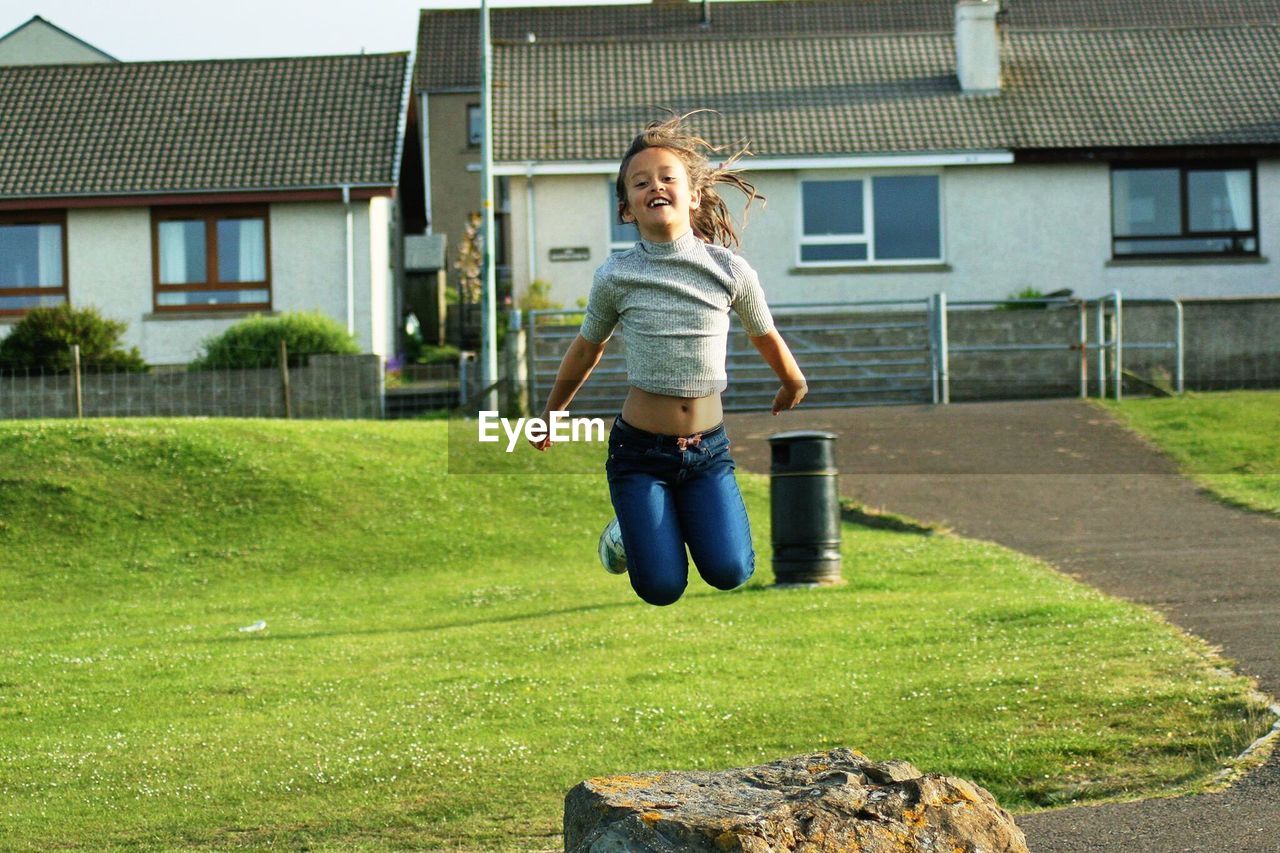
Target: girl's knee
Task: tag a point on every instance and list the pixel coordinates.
(731, 574)
(659, 594)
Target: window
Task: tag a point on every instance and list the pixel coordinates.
(475, 125)
(33, 261)
(211, 258)
(1183, 210)
(622, 236)
(868, 220)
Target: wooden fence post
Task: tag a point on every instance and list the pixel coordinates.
(284, 379)
(78, 391)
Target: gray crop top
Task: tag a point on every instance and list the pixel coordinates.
(673, 301)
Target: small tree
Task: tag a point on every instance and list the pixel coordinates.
(255, 342)
(470, 263)
(43, 338)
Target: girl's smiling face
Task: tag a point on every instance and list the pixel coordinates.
(659, 198)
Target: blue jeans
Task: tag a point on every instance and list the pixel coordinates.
(669, 491)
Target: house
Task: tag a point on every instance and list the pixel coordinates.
(906, 147)
(181, 196)
(38, 42)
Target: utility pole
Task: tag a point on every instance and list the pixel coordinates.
(488, 298)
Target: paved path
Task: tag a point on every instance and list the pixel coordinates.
(1061, 480)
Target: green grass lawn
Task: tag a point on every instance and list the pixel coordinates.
(1228, 442)
(444, 658)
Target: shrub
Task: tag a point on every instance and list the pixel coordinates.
(538, 297)
(255, 342)
(42, 340)
(441, 354)
(1031, 293)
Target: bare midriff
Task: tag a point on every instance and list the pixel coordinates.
(671, 415)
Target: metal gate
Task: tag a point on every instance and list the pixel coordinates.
(885, 352)
(855, 353)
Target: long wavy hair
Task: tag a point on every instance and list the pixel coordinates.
(711, 221)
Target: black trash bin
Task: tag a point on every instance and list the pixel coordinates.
(805, 507)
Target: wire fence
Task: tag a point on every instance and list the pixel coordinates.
(994, 354)
(291, 385)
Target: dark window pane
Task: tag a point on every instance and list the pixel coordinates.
(1146, 202)
(475, 125)
(182, 258)
(832, 207)
(31, 255)
(619, 232)
(834, 252)
(906, 217)
(242, 250)
(1220, 200)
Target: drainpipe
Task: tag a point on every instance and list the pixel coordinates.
(425, 125)
(531, 228)
(351, 260)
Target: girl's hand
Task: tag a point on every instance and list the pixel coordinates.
(789, 395)
(543, 443)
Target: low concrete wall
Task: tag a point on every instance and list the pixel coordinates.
(995, 374)
(329, 386)
(1229, 343)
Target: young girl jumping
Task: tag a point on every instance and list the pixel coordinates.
(670, 473)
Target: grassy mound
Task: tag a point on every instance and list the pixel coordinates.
(1228, 442)
(443, 657)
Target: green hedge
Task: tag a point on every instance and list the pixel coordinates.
(255, 342)
(43, 338)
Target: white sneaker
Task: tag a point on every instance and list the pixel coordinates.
(612, 555)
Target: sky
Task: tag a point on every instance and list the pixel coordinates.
(139, 30)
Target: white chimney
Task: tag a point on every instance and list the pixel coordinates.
(977, 47)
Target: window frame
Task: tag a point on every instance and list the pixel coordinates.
(1184, 214)
(611, 219)
(38, 217)
(867, 237)
(211, 216)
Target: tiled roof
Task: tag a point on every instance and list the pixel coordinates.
(448, 40)
(216, 125)
(894, 93)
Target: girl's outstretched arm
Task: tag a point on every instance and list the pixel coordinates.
(579, 360)
(774, 350)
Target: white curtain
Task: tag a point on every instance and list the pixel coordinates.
(1240, 199)
(49, 256)
(1121, 205)
(253, 250)
(173, 253)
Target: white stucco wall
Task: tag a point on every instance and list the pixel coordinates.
(308, 257)
(109, 267)
(1004, 228)
(569, 212)
(109, 264)
(37, 43)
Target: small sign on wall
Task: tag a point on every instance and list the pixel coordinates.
(576, 253)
